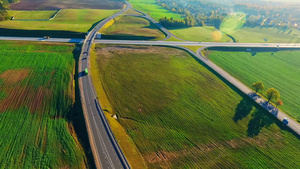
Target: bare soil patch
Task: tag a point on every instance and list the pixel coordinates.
(14, 76)
(20, 94)
(66, 4)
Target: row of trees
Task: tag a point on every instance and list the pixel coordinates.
(272, 94)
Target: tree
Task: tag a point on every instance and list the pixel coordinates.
(258, 86)
(279, 103)
(272, 94)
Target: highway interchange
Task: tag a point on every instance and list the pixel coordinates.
(106, 150)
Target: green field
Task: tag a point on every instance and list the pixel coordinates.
(180, 115)
(32, 14)
(37, 107)
(132, 28)
(205, 34)
(76, 20)
(151, 8)
(272, 35)
(275, 69)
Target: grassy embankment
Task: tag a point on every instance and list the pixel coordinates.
(193, 48)
(132, 12)
(151, 8)
(38, 117)
(275, 69)
(31, 15)
(180, 115)
(132, 28)
(127, 145)
(76, 21)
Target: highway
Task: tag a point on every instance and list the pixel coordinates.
(106, 151)
(158, 43)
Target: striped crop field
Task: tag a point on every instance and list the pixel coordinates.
(180, 115)
(36, 100)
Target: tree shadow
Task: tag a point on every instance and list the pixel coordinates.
(243, 109)
(40, 33)
(260, 119)
(253, 53)
(75, 116)
(127, 37)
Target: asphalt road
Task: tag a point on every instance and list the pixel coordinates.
(159, 43)
(163, 29)
(106, 150)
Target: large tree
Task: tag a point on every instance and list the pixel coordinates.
(3, 12)
(258, 86)
(272, 94)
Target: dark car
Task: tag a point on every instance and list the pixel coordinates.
(285, 121)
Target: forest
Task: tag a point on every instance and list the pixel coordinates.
(212, 13)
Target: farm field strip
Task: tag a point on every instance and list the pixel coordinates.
(31, 15)
(275, 69)
(66, 4)
(151, 8)
(267, 35)
(36, 101)
(202, 34)
(76, 20)
(131, 28)
(169, 105)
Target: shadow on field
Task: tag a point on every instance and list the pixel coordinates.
(127, 37)
(243, 109)
(260, 119)
(76, 117)
(40, 33)
(95, 24)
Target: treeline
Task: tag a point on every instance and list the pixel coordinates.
(4, 5)
(202, 12)
(193, 20)
(3, 13)
(198, 14)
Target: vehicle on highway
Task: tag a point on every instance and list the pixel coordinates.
(86, 71)
(46, 37)
(285, 121)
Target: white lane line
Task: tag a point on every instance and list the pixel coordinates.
(103, 145)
